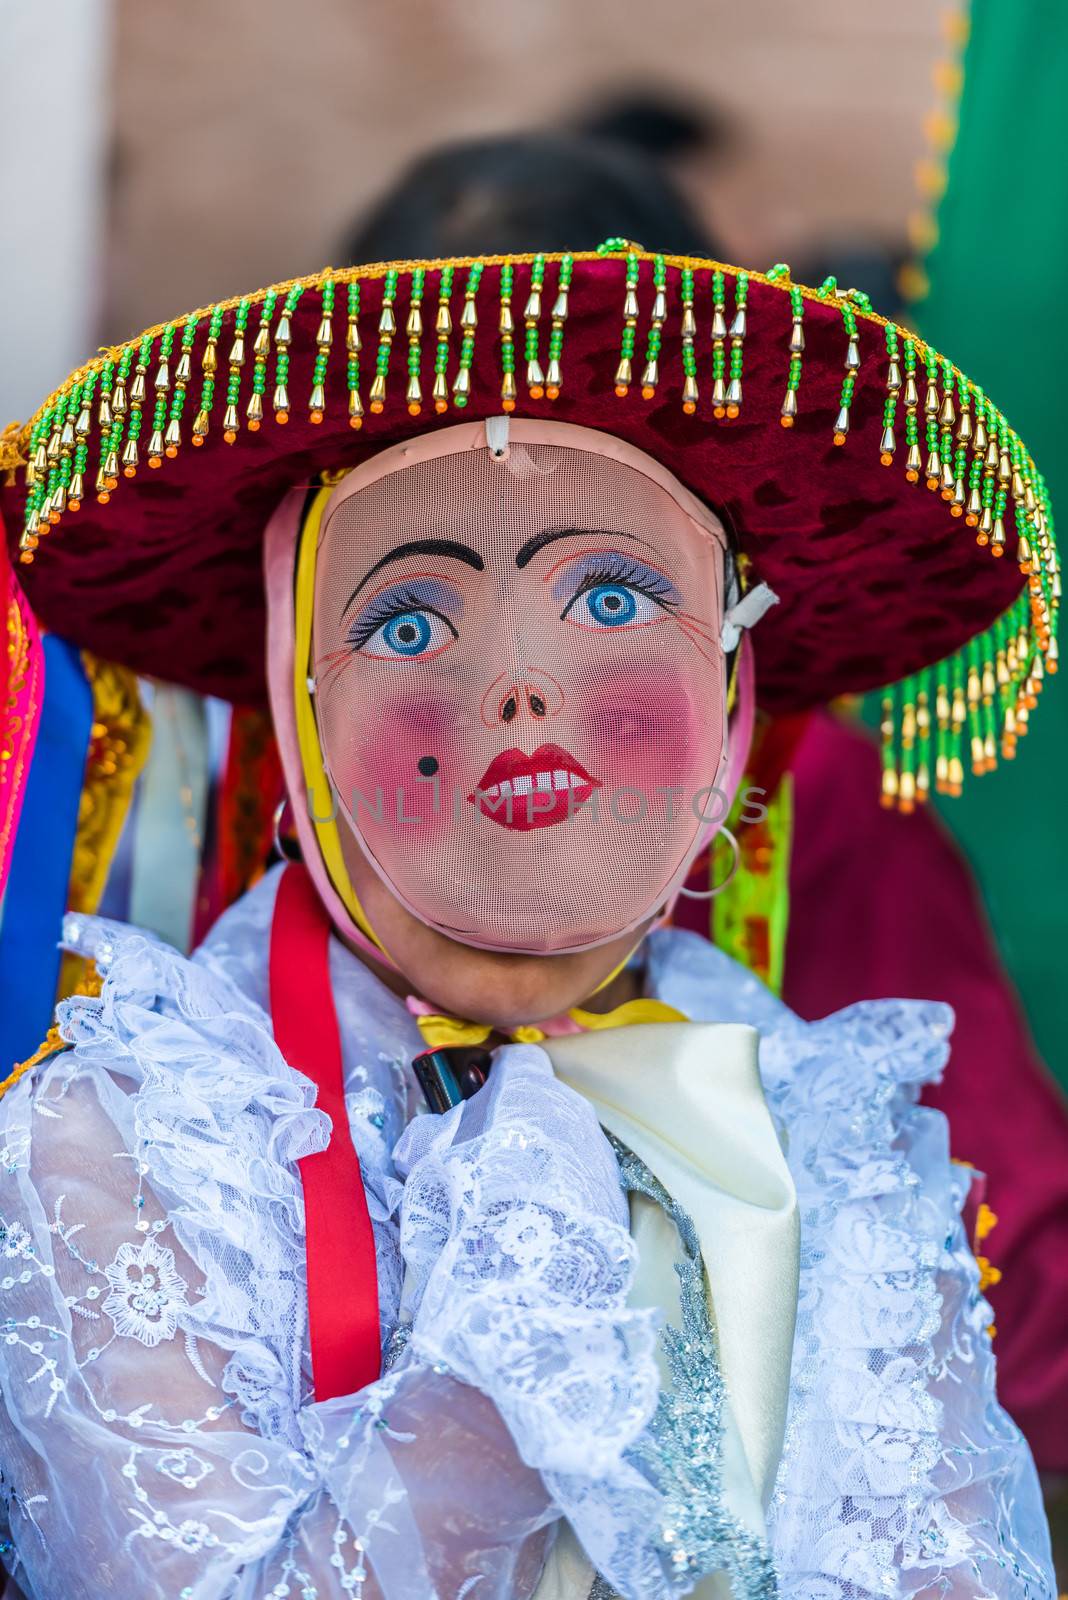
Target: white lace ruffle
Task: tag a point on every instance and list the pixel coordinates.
(516, 1255)
(901, 1475)
(516, 1242)
(125, 1332)
(515, 1239)
(220, 1122)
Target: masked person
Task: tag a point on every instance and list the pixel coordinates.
(629, 1315)
(840, 929)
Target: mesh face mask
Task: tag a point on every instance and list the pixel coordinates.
(519, 680)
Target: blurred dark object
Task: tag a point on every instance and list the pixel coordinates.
(607, 172)
(525, 193)
(449, 1075)
(665, 129)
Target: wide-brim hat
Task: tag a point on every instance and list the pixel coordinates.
(880, 493)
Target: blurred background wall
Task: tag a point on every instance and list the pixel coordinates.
(176, 155)
(52, 225)
(245, 136)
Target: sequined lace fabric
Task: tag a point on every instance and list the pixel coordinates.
(159, 1437)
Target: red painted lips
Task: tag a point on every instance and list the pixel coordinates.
(535, 791)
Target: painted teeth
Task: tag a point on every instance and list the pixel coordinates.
(544, 782)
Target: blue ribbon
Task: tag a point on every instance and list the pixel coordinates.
(38, 883)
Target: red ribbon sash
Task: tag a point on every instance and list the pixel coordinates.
(342, 1277)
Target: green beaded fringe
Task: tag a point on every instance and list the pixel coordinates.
(965, 711)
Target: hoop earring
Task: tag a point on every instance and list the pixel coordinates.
(710, 894)
(287, 849)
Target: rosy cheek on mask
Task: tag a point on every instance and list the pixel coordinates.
(400, 741)
(649, 727)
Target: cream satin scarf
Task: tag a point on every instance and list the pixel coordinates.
(687, 1098)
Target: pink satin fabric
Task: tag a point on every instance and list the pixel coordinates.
(20, 705)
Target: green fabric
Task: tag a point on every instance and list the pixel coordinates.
(750, 914)
(996, 304)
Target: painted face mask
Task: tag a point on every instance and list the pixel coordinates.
(519, 680)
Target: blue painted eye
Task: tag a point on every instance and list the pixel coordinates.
(409, 633)
(612, 604)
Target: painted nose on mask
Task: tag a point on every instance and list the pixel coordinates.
(529, 695)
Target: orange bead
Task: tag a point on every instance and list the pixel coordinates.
(971, 519)
(355, 422)
(282, 417)
(622, 391)
(74, 505)
(230, 436)
(315, 417)
(647, 391)
(414, 409)
(932, 484)
(839, 438)
(886, 459)
(912, 475)
(689, 407)
(956, 511)
(439, 406)
(26, 558)
(553, 391)
(507, 405)
(129, 472)
(536, 391)
(198, 440)
(172, 449)
(733, 411)
(719, 411)
(103, 497)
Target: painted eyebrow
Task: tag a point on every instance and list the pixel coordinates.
(421, 547)
(530, 549)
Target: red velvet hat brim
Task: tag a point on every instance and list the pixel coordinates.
(876, 577)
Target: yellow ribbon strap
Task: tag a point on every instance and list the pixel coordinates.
(643, 1010)
(440, 1032)
(319, 797)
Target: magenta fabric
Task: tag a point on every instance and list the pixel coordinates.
(883, 905)
(20, 708)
